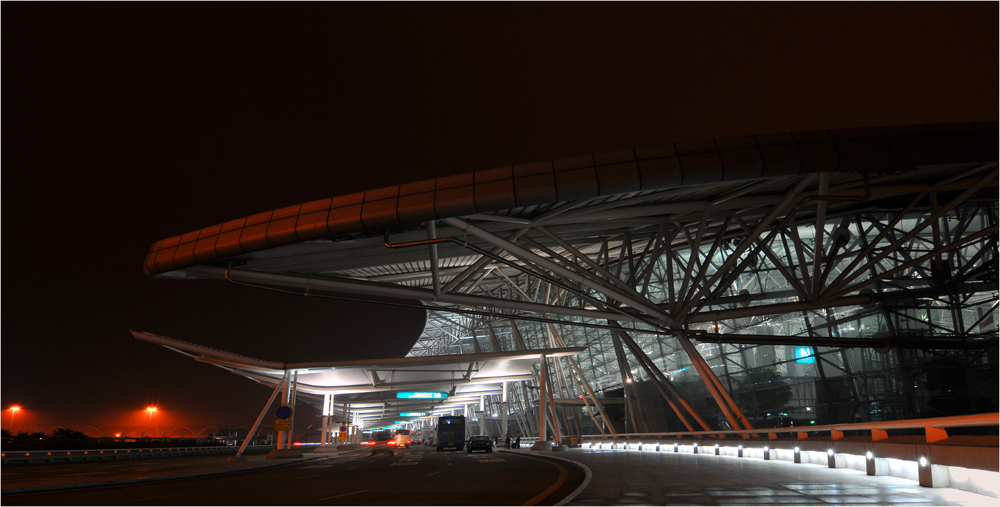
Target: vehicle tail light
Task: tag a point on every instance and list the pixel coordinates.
(392, 442)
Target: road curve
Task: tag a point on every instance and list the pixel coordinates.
(415, 476)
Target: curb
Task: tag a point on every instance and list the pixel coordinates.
(576, 492)
(124, 482)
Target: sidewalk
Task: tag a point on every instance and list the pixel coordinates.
(664, 478)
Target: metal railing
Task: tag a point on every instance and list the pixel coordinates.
(82, 455)
(935, 429)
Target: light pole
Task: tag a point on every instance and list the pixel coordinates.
(13, 410)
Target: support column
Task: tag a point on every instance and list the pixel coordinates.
(506, 409)
(542, 444)
(328, 422)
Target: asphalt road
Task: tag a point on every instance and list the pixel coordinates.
(415, 476)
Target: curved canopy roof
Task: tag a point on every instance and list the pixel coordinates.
(689, 175)
(370, 385)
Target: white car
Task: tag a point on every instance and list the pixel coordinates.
(403, 439)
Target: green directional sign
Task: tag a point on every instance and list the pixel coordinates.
(410, 395)
(412, 414)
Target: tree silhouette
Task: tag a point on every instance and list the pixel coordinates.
(7, 436)
(67, 435)
(23, 437)
(763, 391)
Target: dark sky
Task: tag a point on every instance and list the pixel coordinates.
(124, 124)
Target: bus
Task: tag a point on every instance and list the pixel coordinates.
(451, 432)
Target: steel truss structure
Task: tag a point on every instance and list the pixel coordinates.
(809, 298)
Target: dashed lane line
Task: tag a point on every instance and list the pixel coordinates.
(345, 494)
(432, 473)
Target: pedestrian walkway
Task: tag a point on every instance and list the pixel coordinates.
(664, 478)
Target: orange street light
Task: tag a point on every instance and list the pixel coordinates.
(151, 410)
(13, 410)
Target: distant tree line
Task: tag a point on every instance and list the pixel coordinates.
(65, 438)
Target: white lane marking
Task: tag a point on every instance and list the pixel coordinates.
(432, 473)
(315, 466)
(306, 477)
(345, 494)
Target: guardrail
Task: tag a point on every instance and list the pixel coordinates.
(934, 459)
(76, 456)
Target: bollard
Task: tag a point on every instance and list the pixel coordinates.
(767, 453)
(924, 475)
(869, 463)
(797, 457)
(831, 460)
(739, 451)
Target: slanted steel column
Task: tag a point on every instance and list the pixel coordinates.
(293, 396)
(263, 412)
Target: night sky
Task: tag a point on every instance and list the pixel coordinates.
(124, 124)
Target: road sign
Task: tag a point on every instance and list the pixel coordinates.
(283, 425)
(343, 429)
(283, 412)
(342, 435)
(408, 395)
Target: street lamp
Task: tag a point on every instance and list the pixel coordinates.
(151, 410)
(13, 410)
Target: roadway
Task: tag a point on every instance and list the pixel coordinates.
(415, 476)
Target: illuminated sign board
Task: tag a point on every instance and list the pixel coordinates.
(407, 395)
(412, 414)
(804, 355)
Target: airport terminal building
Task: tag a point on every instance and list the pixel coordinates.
(780, 280)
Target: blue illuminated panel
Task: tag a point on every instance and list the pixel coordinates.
(804, 355)
(421, 395)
